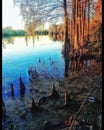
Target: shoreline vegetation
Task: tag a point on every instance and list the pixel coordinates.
(11, 32)
(48, 99)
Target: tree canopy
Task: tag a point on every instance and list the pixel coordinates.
(40, 11)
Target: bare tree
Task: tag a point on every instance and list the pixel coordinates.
(38, 12)
(41, 11)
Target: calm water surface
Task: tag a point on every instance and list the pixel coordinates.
(18, 57)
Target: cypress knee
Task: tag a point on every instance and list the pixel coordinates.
(67, 99)
(12, 89)
(22, 87)
(34, 107)
(3, 111)
(54, 93)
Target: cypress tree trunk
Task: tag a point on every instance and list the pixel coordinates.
(88, 20)
(76, 25)
(84, 24)
(67, 41)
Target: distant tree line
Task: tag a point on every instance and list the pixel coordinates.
(43, 32)
(11, 32)
(8, 33)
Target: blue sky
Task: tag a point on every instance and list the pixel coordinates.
(11, 15)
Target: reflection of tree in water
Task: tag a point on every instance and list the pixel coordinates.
(29, 32)
(7, 40)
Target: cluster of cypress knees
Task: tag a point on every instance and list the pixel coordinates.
(36, 107)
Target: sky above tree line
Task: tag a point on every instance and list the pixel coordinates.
(11, 15)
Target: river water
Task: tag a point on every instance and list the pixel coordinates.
(17, 57)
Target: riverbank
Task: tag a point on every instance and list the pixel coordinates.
(77, 85)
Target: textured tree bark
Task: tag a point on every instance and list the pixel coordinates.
(67, 41)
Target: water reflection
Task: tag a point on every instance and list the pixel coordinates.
(55, 36)
(17, 58)
(7, 40)
(28, 38)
